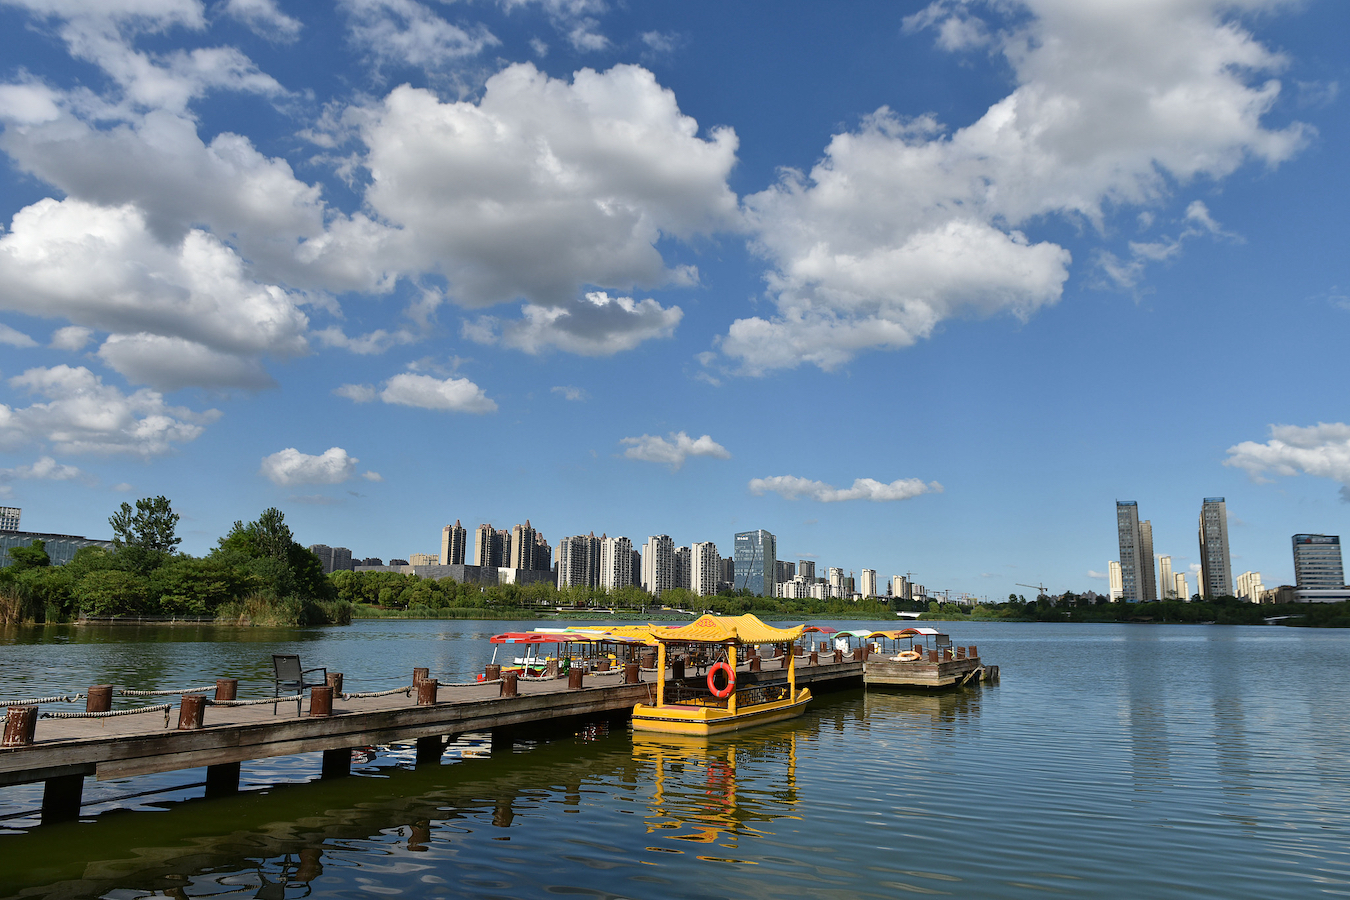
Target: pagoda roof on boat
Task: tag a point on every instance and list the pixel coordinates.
(823, 629)
(746, 629)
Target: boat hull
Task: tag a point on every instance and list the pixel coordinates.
(703, 721)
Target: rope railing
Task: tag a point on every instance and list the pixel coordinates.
(162, 707)
(59, 698)
(264, 700)
(364, 694)
(440, 683)
(127, 692)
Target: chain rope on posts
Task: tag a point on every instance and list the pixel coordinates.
(126, 692)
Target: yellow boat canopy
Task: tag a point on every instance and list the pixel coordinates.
(745, 629)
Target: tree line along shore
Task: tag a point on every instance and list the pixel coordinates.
(257, 574)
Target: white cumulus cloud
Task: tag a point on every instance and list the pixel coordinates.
(73, 338)
(405, 32)
(673, 449)
(544, 187)
(265, 19)
(791, 487)
(44, 469)
(423, 391)
(83, 415)
(597, 325)
(168, 307)
(290, 466)
(14, 337)
(568, 392)
(905, 224)
(1322, 450)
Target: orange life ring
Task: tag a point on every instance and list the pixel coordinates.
(909, 656)
(712, 680)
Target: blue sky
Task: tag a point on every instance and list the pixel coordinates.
(918, 287)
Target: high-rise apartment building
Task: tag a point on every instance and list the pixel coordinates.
(616, 563)
(869, 583)
(1114, 579)
(1249, 587)
(1148, 585)
(658, 564)
(1166, 589)
(756, 555)
(1216, 572)
(489, 546)
(1179, 578)
(900, 587)
(703, 574)
(543, 553)
(333, 559)
(807, 569)
(784, 571)
(836, 580)
(523, 547)
(579, 561)
(9, 518)
(453, 540)
(683, 567)
(727, 571)
(1317, 561)
(1132, 560)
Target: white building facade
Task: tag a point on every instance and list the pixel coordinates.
(658, 564)
(616, 563)
(868, 587)
(704, 563)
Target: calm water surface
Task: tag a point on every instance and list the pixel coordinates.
(1112, 761)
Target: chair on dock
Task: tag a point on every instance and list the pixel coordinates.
(294, 679)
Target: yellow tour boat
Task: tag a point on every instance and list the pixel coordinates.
(734, 699)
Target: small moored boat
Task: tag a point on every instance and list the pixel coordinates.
(729, 702)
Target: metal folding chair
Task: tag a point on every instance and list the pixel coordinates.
(290, 676)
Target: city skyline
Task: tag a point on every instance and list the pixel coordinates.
(369, 262)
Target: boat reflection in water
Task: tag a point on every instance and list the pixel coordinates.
(695, 797)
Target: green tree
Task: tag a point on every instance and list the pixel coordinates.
(152, 526)
(145, 538)
(267, 551)
(34, 556)
(112, 592)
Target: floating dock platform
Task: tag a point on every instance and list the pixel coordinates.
(62, 752)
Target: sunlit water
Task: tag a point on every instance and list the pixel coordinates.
(1111, 761)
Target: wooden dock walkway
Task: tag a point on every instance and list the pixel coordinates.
(66, 751)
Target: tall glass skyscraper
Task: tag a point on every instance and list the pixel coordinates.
(755, 552)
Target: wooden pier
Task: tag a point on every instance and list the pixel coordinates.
(949, 667)
(63, 752)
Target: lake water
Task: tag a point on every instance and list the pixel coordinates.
(1111, 761)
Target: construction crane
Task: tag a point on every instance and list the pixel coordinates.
(1039, 587)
